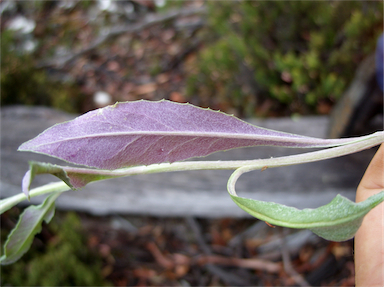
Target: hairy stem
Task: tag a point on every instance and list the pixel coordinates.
(9, 202)
(240, 167)
(376, 139)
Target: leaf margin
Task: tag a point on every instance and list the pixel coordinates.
(43, 213)
(323, 229)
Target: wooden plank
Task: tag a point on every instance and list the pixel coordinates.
(197, 193)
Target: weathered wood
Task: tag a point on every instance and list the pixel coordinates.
(360, 109)
(197, 193)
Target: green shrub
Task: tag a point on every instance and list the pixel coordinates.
(64, 261)
(23, 83)
(295, 53)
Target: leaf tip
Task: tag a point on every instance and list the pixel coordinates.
(21, 147)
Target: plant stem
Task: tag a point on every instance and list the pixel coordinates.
(365, 143)
(9, 202)
(376, 139)
(240, 167)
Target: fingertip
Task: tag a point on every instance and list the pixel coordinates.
(373, 179)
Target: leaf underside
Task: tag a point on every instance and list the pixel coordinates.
(143, 133)
(338, 220)
(146, 132)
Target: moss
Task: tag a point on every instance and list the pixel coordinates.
(64, 260)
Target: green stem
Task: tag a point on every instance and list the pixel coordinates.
(240, 167)
(376, 139)
(365, 143)
(9, 202)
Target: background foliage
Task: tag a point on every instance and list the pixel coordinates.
(251, 58)
(295, 55)
(59, 257)
(23, 83)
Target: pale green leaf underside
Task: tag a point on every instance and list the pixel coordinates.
(338, 220)
(73, 177)
(29, 224)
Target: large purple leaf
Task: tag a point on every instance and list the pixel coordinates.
(145, 132)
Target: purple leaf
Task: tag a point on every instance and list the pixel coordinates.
(145, 132)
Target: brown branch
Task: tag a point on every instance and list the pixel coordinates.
(255, 264)
(228, 278)
(148, 21)
(288, 265)
(159, 257)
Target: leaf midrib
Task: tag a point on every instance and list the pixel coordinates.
(241, 136)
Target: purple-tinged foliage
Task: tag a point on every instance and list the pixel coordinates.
(145, 132)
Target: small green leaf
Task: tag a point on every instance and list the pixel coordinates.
(74, 177)
(338, 220)
(29, 224)
(36, 168)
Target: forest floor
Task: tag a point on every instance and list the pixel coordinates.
(219, 252)
(151, 62)
(149, 251)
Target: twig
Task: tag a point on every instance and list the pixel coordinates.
(186, 51)
(255, 264)
(199, 237)
(256, 227)
(288, 265)
(148, 21)
(228, 278)
(159, 257)
(119, 222)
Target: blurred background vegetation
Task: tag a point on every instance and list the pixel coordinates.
(250, 58)
(296, 55)
(59, 256)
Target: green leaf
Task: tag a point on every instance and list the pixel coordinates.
(338, 220)
(29, 224)
(74, 177)
(36, 168)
